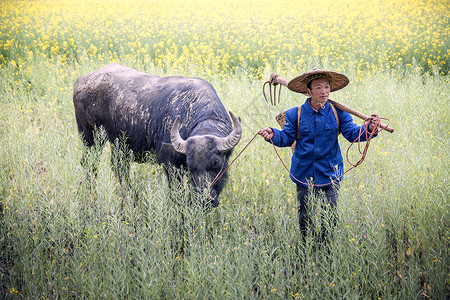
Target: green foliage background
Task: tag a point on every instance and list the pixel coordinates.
(60, 240)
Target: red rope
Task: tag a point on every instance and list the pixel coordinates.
(375, 119)
(218, 177)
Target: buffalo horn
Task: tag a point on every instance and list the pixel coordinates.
(177, 142)
(228, 143)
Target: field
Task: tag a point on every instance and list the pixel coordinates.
(60, 239)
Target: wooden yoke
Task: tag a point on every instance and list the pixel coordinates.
(279, 80)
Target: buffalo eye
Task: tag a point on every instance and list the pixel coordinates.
(216, 164)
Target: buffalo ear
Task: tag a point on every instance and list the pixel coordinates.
(171, 148)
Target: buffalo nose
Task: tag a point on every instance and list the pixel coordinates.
(214, 198)
(215, 202)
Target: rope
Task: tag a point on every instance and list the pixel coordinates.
(375, 119)
(218, 177)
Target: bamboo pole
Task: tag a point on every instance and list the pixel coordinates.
(343, 107)
(358, 114)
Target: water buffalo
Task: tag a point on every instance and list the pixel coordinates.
(181, 120)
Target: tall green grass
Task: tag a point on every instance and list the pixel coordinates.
(59, 238)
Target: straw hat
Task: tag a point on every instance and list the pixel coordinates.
(299, 83)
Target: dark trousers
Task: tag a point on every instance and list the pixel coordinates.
(329, 196)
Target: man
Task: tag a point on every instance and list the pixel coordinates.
(317, 164)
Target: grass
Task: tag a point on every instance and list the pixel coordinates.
(61, 238)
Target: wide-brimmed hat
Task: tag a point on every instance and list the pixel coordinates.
(337, 80)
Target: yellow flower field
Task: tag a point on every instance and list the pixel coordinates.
(64, 236)
(225, 37)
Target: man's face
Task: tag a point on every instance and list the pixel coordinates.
(320, 90)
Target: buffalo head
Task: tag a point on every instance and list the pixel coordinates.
(206, 156)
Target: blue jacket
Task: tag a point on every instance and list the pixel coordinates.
(317, 155)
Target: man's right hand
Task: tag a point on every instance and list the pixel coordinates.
(266, 133)
(273, 79)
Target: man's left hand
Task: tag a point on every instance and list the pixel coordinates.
(374, 122)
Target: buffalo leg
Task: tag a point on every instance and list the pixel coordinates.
(121, 158)
(178, 204)
(94, 141)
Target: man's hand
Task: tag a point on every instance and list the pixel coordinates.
(266, 133)
(374, 122)
(273, 79)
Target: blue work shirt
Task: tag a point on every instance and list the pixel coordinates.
(317, 156)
